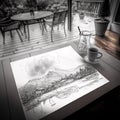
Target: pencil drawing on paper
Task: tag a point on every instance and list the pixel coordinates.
(35, 91)
(47, 84)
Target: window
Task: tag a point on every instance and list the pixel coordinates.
(117, 16)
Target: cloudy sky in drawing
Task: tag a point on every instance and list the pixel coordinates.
(37, 66)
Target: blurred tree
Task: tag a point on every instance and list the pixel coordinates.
(42, 4)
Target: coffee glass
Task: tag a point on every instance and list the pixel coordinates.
(94, 54)
(84, 42)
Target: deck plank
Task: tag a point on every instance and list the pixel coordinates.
(37, 40)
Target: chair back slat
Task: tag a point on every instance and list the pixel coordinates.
(62, 16)
(59, 17)
(55, 18)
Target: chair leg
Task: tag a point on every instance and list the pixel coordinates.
(28, 32)
(64, 30)
(3, 34)
(21, 32)
(40, 25)
(11, 34)
(19, 36)
(25, 30)
(51, 34)
(44, 25)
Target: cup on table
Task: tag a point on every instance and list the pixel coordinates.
(94, 54)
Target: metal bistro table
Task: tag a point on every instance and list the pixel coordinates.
(26, 17)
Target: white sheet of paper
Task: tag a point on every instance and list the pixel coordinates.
(51, 80)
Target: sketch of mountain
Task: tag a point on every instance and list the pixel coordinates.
(54, 79)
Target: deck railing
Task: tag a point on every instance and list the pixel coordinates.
(88, 6)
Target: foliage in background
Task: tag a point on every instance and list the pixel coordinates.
(42, 4)
(30, 3)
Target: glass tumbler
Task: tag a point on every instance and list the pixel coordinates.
(84, 42)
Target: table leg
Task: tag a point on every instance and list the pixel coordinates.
(44, 25)
(28, 32)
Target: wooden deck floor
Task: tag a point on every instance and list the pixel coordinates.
(38, 41)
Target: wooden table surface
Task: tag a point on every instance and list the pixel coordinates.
(9, 99)
(27, 16)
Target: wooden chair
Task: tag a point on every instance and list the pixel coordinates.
(8, 25)
(57, 19)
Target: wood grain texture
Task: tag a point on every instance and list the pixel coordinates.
(110, 43)
(16, 110)
(4, 105)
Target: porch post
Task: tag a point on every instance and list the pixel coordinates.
(69, 15)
